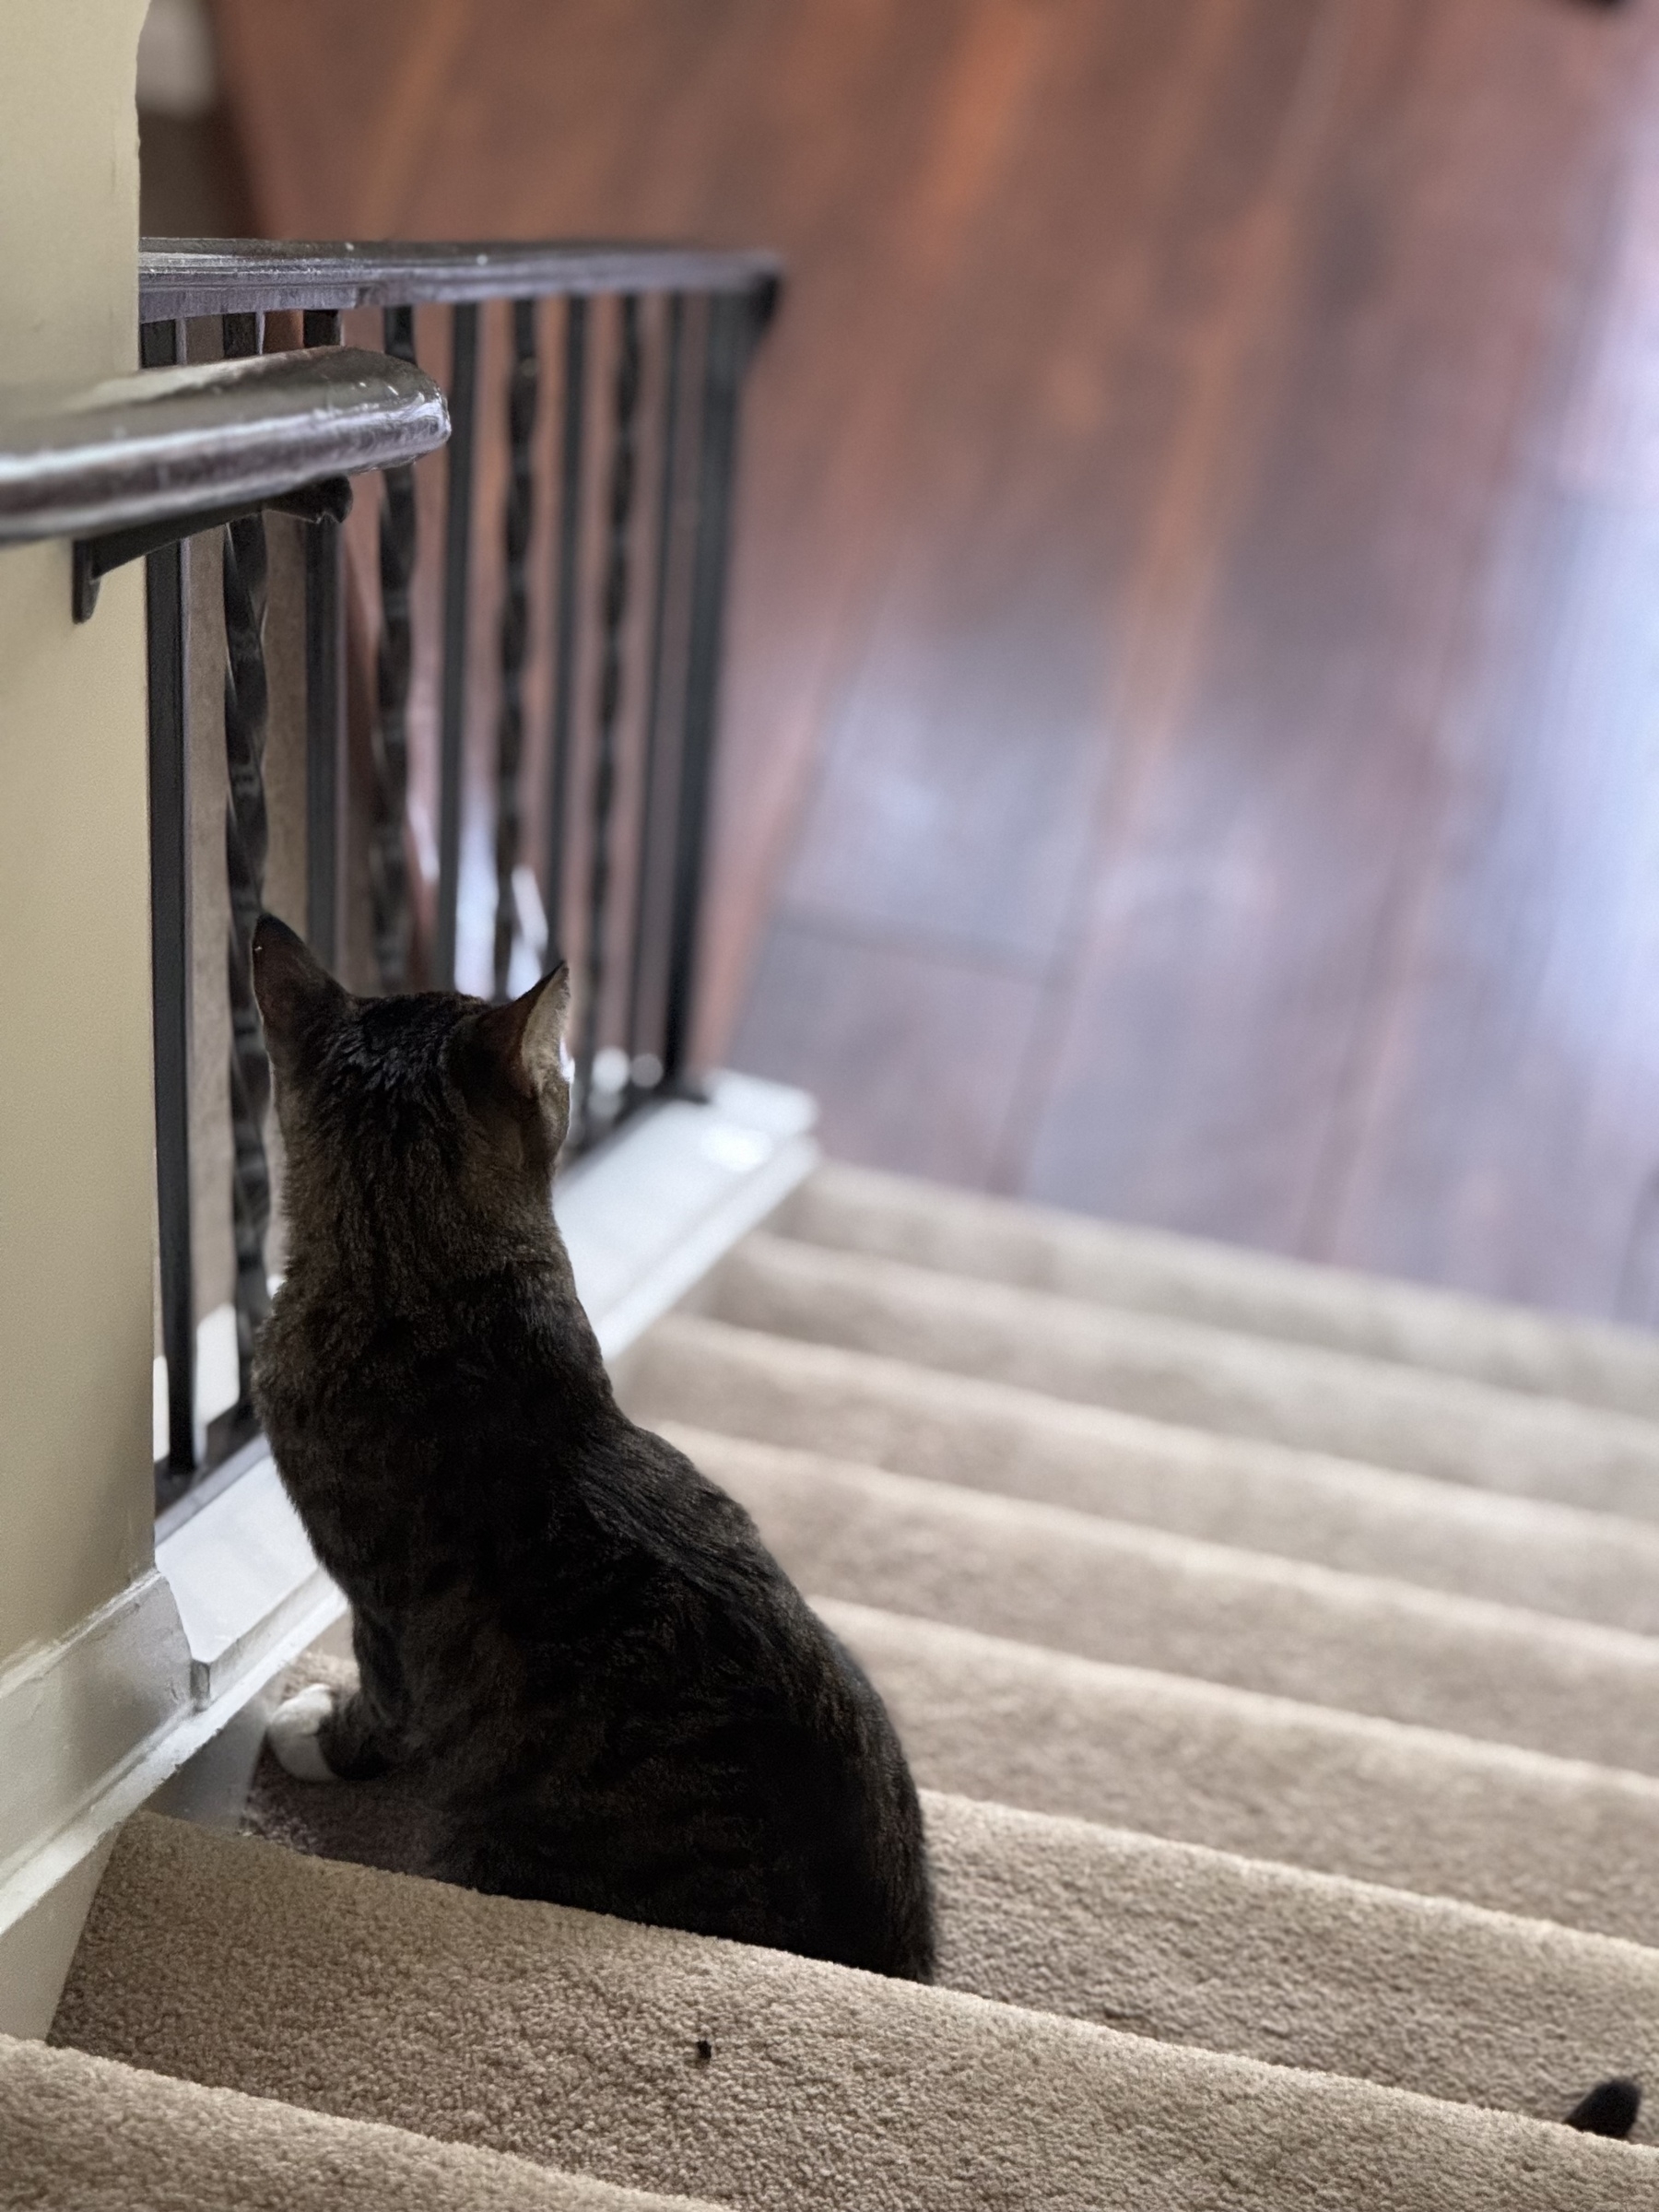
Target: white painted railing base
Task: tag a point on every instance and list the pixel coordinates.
(94, 1725)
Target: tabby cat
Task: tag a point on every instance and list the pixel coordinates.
(576, 1645)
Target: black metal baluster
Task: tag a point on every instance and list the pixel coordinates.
(324, 704)
(641, 1084)
(165, 604)
(613, 613)
(731, 323)
(565, 611)
(388, 865)
(521, 392)
(457, 552)
(246, 839)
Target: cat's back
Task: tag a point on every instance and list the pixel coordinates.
(749, 1667)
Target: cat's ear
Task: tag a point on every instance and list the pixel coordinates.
(526, 1038)
(296, 993)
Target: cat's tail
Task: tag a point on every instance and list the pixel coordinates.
(1610, 2109)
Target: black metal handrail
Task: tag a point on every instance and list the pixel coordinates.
(183, 277)
(135, 463)
(605, 694)
(131, 467)
(157, 447)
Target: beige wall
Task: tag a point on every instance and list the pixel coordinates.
(76, 1138)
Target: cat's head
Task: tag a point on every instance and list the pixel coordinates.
(427, 1112)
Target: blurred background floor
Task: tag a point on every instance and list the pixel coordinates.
(1193, 713)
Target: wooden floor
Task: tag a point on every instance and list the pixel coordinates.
(1193, 727)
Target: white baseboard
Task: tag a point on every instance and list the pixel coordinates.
(648, 1216)
(244, 1577)
(94, 1725)
(78, 1716)
(37, 1949)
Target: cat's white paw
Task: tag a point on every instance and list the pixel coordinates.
(292, 1732)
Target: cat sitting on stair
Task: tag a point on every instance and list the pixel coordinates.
(607, 1685)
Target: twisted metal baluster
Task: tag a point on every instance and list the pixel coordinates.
(614, 610)
(457, 562)
(325, 703)
(642, 1083)
(166, 617)
(521, 393)
(733, 326)
(388, 865)
(246, 842)
(565, 610)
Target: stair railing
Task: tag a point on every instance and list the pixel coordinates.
(130, 469)
(596, 721)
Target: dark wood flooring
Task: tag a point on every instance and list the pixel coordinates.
(1193, 726)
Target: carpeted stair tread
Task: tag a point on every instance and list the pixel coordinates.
(1136, 1596)
(1273, 1963)
(1275, 1650)
(1204, 1948)
(1188, 1372)
(1163, 1754)
(1412, 1808)
(576, 2041)
(1263, 1497)
(1262, 1294)
(90, 2135)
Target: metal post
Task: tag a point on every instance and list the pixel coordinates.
(388, 867)
(521, 391)
(613, 614)
(246, 842)
(565, 612)
(162, 347)
(730, 322)
(643, 1082)
(325, 706)
(457, 550)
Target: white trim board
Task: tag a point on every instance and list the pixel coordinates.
(71, 1823)
(96, 1724)
(651, 1214)
(81, 1713)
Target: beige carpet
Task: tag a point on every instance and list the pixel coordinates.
(1392, 1416)
(84, 2134)
(1200, 1947)
(576, 2041)
(1141, 1597)
(1304, 1970)
(1413, 1808)
(1225, 1490)
(1276, 1652)
(1254, 1293)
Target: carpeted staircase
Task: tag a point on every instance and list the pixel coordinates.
(1278, 1654)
